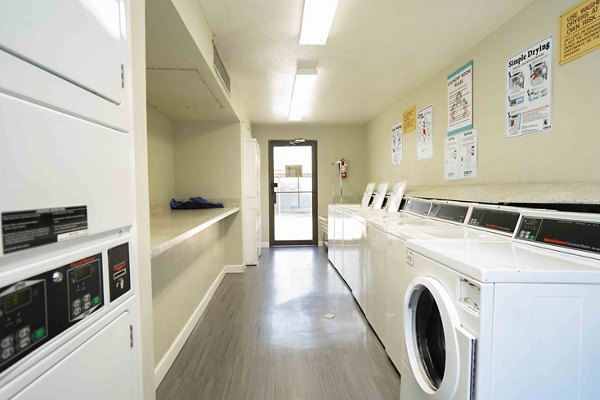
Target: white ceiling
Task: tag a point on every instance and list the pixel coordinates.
(377, 50)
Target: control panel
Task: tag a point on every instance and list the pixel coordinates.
(494, 219)
(417, 206)
(35, 310)
(119, 271)
(449, 212)
(574, 234)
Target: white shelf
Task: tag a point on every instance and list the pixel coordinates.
(168, 228)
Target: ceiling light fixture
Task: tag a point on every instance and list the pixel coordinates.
(316, 21)
(303, 86)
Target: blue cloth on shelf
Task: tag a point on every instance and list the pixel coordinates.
(194, 203)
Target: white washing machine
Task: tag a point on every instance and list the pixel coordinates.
(500, 222)
(506, 320)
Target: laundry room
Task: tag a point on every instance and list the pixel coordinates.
(317, 199)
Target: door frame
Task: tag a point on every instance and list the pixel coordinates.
(315, 196)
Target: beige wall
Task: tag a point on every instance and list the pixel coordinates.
(207, 160)
(568, 153)
(333, 143)
(181, 277)
(141, 230)
(161, 165)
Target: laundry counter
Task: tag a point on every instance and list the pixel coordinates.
(168, 228)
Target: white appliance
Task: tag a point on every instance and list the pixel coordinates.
(506, 320)
(251, 207)
(503, 222)
(69, 312)
(335, 225)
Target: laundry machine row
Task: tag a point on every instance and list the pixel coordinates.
(374, 245)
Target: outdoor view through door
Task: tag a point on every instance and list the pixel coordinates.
(293, 194)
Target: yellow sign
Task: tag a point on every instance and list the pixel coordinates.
(579, 30)
(409, 119)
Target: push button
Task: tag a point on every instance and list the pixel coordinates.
(7, 342)
(76, 311)
(24, 332)
(7, 353)
(87, 297)
(24, 343)
(87, 305)
(76, 303)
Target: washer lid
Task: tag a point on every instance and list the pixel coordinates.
(503, 261)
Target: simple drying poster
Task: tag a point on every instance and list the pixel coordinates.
(397, 145)
(460, 99)
(460, 160)
(529, 90)
(425, 133)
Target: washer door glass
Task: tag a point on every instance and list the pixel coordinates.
(429, 334)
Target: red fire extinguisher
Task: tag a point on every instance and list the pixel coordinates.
(343, 168)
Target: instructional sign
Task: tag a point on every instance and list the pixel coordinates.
(529, 90)
(397, 145)
(460, 160)
(23, 230)
(425, 133)
(579, 30)
(409, 119)
(460, 99)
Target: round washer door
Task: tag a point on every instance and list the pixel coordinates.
(429, 331)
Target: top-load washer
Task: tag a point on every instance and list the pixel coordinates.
(505, 320)
(499, 222)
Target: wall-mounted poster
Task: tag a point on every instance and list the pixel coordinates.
(397, 145)
(460, 157)
(579, 30)
(529, 90)
(409, 119)
(425, 133)
(460, 99)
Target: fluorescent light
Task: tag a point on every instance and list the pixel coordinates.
(316, 21)
(303, 85)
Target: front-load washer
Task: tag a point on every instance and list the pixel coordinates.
(499, 223)
(506, 320)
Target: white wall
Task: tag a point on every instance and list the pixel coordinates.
(141, 254)
(161, 162)
(333, 143)
(208, 160)
(568, 153)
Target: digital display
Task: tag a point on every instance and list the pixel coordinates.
(420, 207)
(82, 273)
(449, 212)
(17, 300)
(578, 235)
(498, 220)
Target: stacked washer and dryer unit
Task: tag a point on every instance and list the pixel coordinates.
(69, 312)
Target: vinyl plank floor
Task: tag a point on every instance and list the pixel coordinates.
(263, 337)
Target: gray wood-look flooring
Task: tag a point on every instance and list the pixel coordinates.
(263, 336)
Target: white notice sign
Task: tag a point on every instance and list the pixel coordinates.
(397, 145)
(460, 159)
(529, 90)
(460, 99)
(425, 133)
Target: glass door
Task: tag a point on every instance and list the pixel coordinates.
(293, 193)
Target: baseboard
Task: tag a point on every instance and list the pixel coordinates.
(320, 243)
(263, 244)
(165, 363)
(235, 269)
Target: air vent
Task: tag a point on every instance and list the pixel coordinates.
(220, 68)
